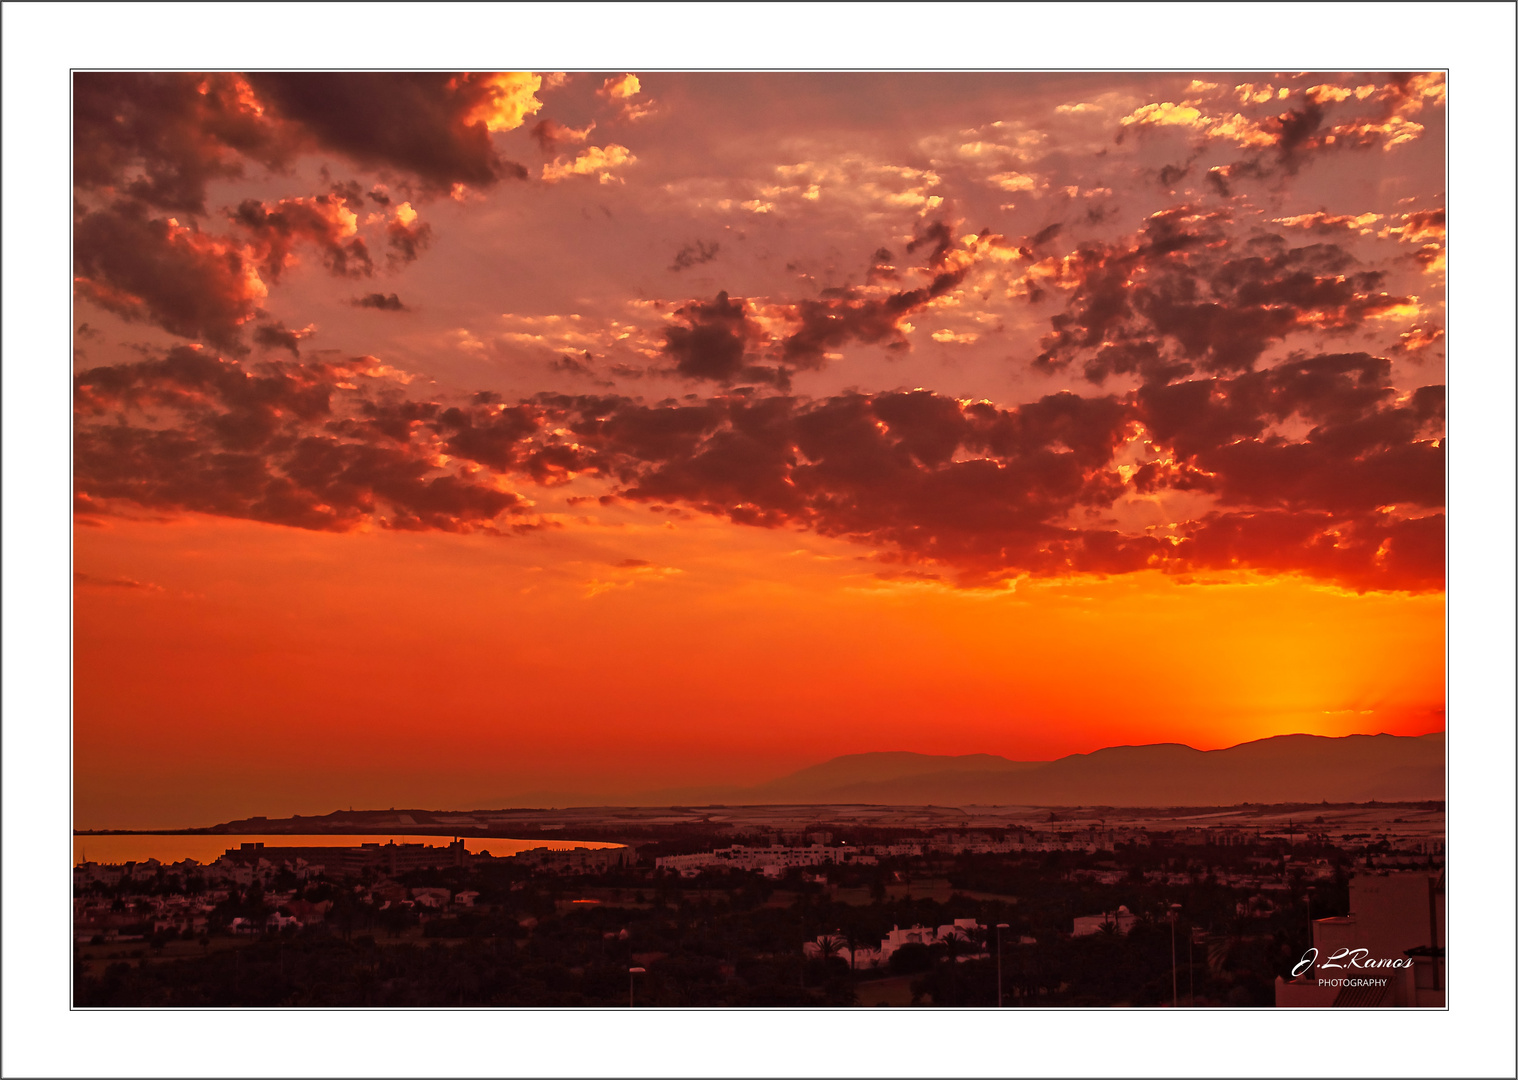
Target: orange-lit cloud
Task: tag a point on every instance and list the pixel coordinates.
(621, 91)
(600, 162)
(504, 101)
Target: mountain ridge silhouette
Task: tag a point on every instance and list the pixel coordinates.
(1280, 768)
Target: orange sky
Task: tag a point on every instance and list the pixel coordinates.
(269, 670)
(445, 441)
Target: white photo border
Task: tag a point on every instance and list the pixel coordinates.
(42, 42)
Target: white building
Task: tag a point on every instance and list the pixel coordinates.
(967, 931)
(772, 861)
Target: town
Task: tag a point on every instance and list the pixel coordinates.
(792, 906)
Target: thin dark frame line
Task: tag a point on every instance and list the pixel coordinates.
(1448, 515)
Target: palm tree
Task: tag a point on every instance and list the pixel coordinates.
(831, 945)
(954, 943)
(851, 939)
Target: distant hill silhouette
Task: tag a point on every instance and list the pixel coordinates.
(1285, 768)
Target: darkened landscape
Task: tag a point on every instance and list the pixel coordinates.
(759, 906)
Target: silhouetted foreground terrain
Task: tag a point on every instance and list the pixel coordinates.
(553, 930)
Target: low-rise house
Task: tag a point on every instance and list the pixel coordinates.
(965, 931)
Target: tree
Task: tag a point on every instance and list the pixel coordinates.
(954, 946)
(829, 946)
(911, 959)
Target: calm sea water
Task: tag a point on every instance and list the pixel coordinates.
(207, 849)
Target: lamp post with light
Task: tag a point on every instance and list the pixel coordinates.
(1175, 986)
(632, 977)
(999, 928)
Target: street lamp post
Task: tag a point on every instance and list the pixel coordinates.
(999, 928)
(1310, 972)
(1175, 987)
(632, 976)
(1191, 965)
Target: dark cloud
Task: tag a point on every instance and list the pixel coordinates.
(882, 268)
(153, 270)
(275, 335)
(324, 222)
(407, 240)
(907, 575)
(1047, 233)
(1374, 551)
(711, 340)
(695, 255)
(81, 578)
(380, 302)
(351, 192)
(550, 135)
(582, 366)
(1181, 296)
(493, 435)
(1316, 466)
(416, 122)
(192, 432)
(842, 316)
(1364, 449)
(395, 421)
(150, 143)
(991, 492)
(937, 238)
(161, 137)
(1294, 131)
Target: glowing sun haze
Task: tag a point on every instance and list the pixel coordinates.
(445, 439)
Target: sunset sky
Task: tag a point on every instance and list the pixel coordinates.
(446, 439)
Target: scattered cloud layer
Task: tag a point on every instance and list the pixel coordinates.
(984, 491)
(1209, 373)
